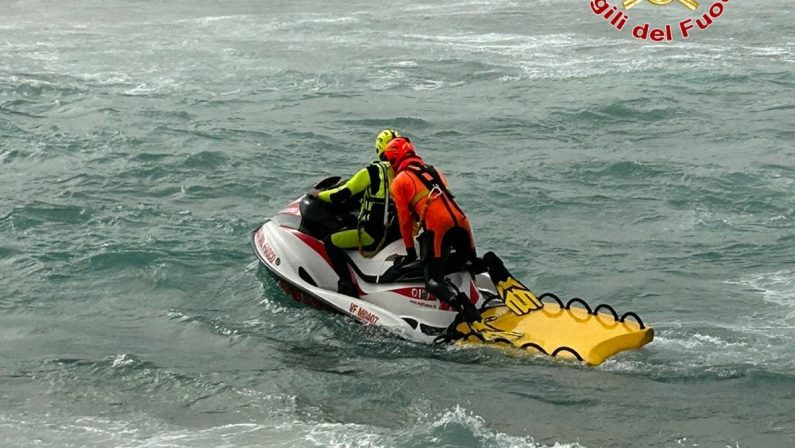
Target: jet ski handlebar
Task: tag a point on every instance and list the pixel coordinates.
(327, 183)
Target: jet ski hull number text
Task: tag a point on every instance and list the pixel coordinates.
(266, 249)
(363, 314)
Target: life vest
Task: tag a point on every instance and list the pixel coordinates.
(435, 188)
(377, 207)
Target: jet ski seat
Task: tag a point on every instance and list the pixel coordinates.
(411, 272)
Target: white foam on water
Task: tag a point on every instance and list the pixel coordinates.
(211, 19)
(489, 437)
(178, 315)
(330, 20)
(231, 435)
(290, 23)
(252, 266)
(403, 64)
(152, 87)
(429, 428)
(339, 435)
(105, 78)
(430, 84)
(560, 55)
(697, 341)
(768, 51)
(696, 348)
(776, 287)
(550, 56)
(122, 360)
(451, 426)
(465, 6)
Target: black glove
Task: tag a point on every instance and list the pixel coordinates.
(411, 255)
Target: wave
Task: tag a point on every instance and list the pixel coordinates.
(452, 427)
(777, 287)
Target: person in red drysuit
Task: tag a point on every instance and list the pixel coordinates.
(422, 199)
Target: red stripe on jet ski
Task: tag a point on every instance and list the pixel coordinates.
(356, 282)
(312, 242)
(473, 292)
(292, 209)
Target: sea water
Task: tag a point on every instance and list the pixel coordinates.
(142, 141)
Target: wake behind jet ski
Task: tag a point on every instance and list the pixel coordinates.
(395, 297)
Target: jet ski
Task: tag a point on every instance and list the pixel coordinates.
(290, 246)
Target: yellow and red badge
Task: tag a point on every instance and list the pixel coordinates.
(692, 4)
(618, 19)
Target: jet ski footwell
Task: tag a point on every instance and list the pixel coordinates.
(566, 331)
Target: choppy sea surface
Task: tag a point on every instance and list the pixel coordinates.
(142, 141)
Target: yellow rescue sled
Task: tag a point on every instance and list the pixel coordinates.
(524, 321)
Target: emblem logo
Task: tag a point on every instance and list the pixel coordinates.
(618, 19)
(692, 4)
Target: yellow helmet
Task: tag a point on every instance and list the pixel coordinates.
(384, 137)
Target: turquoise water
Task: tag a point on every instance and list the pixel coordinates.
(141, 142)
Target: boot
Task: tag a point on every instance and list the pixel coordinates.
(347, 288)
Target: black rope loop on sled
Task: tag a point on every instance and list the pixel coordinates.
(634, 316)
(594, 311)
(567, 349)
(549, 294)
(535, 346)
(526, 345)
(608, 307)
(453, 335)
(579, 300)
